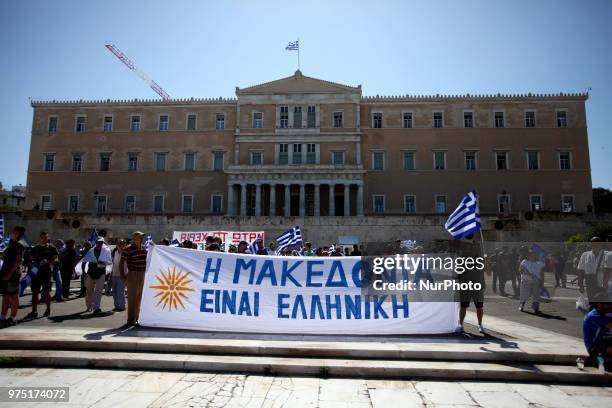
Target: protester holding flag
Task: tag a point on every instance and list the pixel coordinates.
(10, 272)
(44, 256)
(97, 258)
(288, 239)
(134, 257)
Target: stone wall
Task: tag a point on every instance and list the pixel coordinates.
(553, 227)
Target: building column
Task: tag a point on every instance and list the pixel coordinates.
(332, 200)
(317, 201)
(272, 200)
(358, 153)
(258, 200)
(230, 199)
(243, 194)
(287, 200)
(302, 200)
(360, 200)
(347, 200)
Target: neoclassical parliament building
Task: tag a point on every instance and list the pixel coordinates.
(301, 146)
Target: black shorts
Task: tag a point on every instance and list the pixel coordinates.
(42, 280)
(479, 305)
(9, 287)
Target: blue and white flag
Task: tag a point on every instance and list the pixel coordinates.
(175, 243)
(93, 236)
(293, 46)
(148, 241)
(465, 220)
(3, 242)
(253, 247)
(289, 238)
(27, 279)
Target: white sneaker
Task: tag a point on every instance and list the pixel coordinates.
(480, 328)
(459, 329)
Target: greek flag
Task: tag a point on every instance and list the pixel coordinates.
(93, 236)
(291, 237)
(293, 46)
(253, 247)
(465, 220)
(148, 241)
(3, 242)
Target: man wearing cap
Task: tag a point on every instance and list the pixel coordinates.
(134, 256)
(97, 258)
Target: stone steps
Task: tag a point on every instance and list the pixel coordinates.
(321, 367)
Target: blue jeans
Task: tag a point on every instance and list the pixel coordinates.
(57, 277)
(118, 292)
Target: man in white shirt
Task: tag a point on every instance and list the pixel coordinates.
(591, 264)
(97, 258)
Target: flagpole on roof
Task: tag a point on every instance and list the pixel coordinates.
(298, 41)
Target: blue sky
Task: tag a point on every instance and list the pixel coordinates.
(55, 50)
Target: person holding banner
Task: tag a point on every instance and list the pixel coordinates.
(135, 258)
(44, 256)
(10, 272)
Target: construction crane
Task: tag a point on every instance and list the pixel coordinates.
(154, 85)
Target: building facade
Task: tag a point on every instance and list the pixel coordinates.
(301, 146)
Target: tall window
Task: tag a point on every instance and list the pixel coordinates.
(216, 203)
(533, 160)
(470, 160)
(101, 203)
(49, 164)
(191, 121)
(378, 161)
(187, 204)
(53, 123)
(410, 203)
(440, 160)
(189, 161)
(499, 119)
(503, 203)
(468, 119)
(338, 117)
(158, 203)
(407, 122)
(297, 117)
(257, 158)
(163, 122)
(160, 161)
(284, 117)
(45, 202)
(337, 158)
(296, 158)
(440, 204)
(561, 119)
(77, 162)
(377, 120)
(104, 161)
(81, 122)
(567, 203)
(218, 161)
(535, 202)
(379, 203)
(501, 159)
(530, 119)
(73, 203)
(438, 119)
(257, 120)
(283, 153)
(565, 160)
(312, 116)
(108, 123)
(409, 161)
(135, 125)
(130, 203)
(132, 161)
(311, 153)
(220, 121)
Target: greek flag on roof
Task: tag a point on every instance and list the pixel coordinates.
(465, 220)
(293, 46)
(292, 236)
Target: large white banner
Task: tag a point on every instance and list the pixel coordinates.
(228, 237)
(204, 290)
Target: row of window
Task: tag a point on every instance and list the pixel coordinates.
(160, 161)
(504, 203)
(101, 202)
(536, 202)
(469, 119)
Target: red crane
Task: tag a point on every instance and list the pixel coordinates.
(154, 85)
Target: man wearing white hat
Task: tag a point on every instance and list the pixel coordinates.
(97, 258)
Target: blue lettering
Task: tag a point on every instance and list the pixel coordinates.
(336, 268)
(287, 273)
(353, 306)
(208, 269)
(267, 271)
(282, 306)
(241, 264)
(378, 309)
(356, 274)
(335, 305)
(299, 301)
(229, 301)
(310, 273)
(403, 306)
(206, 301)
(256, 307)
(316, 303)
(245, 305)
